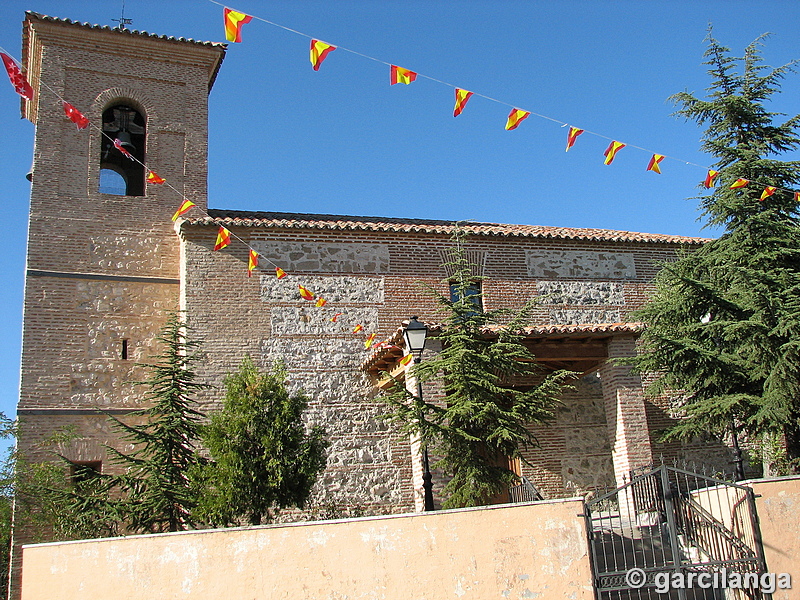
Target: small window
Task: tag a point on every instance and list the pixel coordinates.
(471, 292)
(82, 472)
(124, 350)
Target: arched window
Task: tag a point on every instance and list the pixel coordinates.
(120, 174)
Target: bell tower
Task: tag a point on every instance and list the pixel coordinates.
(103, 256)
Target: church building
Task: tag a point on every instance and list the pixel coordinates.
(106, 265)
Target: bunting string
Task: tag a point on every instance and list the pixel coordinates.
(233, 22)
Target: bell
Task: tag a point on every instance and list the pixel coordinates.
(125, 141)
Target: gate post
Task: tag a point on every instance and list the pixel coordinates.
(670, 507)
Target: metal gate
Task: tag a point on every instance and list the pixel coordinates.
(673, 534)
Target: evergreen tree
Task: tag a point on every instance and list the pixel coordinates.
(263, 458)
(156, 492)
(723, 327)
(482, 420)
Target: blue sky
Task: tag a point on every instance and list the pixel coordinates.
(342, 140)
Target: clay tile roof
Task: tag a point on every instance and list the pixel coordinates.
(274, 220)
(34, 16)
(387, 354)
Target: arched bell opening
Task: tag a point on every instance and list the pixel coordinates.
(122, 152)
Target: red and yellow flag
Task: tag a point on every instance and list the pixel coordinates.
(334, 317)
(401, 75)
(319, 52)
(515, 117)
(462, 97)
(710, 177)
(280, 273)
(358, 328)
(118, 145)
(797, 196)
(233, 24)
(654, 163)
(369, 340)
(739, 183)
(305, 293)
(185, 206)
(152, 177)
(223, 238)
(252, 262)
(768, 191)
(573, 134)
(320, 302)
(17, 79)
(406, 359)
(74, 115)
(611, 151)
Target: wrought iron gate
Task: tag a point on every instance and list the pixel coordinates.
(673, 534)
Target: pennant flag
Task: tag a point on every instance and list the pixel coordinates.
(187, 204)
(280, 273)
(462, 97)
(223, 238)
(654, 162)
(152, 177)
(233, 24)
(252, 262)
(611, 151)
(118, 146)
(573, 134)
(401, 75)
(768, 191)
(17, 79)
(74, 115)
(320, 302)
(406, 359)
(369, 340)
(712, 175)
(739, 183)
(334, 317)
(319, 52)
(358, 328)
(305, 293)
(515, 117)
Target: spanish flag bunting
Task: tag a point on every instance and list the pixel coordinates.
(401, 75)
(406, 359)
(305, 293)
(320, 302)
(319, 52)
(223, 238)
(74, 115)
(515, 117)
(369, 340)
(334, 317)
(739, 183)
(118, 145)
(280, 273)
(573, 134)
(358, 328)
(252, 262)
(768, 191)
(653, 165)
(152, 177)
(709, 182)
(185, 206)
(797, 196)
(462, 97)
(611, 151)
(17, 79)
(233, 24)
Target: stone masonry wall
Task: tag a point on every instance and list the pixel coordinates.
(377, 279)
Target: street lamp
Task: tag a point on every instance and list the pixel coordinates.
(415, 335)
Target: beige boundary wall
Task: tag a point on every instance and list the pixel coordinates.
(513, 551)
